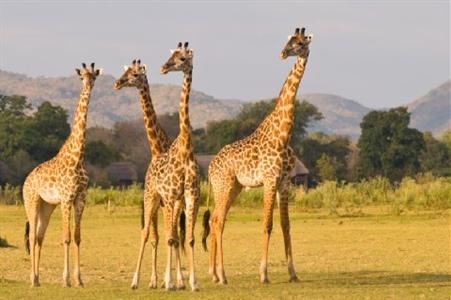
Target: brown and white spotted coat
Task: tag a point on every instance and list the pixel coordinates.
(172, 182)
(63, 179)
(261, 159)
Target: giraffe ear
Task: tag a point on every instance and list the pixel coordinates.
(310, 37)
(99, 72)
(289, 37)
(78, 72)
(125, 68)
(144, 68)
(172, 51)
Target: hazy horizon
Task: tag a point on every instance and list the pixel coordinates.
(378, 54)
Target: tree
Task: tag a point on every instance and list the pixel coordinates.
(317, 144)
(14, 105)
(437, 156)
(13, 121)
(388, 147)
(220, 133)
(100, 154)
(47, 131)
(327, 167)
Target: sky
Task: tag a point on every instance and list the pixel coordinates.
(379, 53)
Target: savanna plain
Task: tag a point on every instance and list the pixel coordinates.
(376, 255)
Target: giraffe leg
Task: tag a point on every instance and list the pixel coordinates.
(66, 211)
(269, 197)
(176, 244)
(225, 199)
(32, 202)
(79, 206)
(154, 243)
(212, 266)
(150, 211)
(192, 200)
(282, 195)
(168, 213)
(45, 211)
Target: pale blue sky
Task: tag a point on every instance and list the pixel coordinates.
(380, 53)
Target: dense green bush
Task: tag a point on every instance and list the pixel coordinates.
(424, 192)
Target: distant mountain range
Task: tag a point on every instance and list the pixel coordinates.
(342, 116)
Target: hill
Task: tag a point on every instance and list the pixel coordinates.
(341, 116)
(432, 112)
(108, 106)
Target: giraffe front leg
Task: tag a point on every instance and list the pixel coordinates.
(192, 200)
(282, 195)
(65, 211)
(168, 217)
(269, 197)
(154, 243)
(79, 206)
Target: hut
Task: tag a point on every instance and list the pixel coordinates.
(299, 174)
(122, 174)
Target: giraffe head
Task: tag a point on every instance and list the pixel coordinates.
(181, 60)
(134, 75)
(297, 45)
(88, 75)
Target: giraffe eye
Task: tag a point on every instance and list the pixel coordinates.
(182, 59)
(135, 74)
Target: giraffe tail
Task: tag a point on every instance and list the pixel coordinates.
(27, 237)
(206, 226)
(182, 230)
(206, 220)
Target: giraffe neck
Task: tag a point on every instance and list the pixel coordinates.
(156, 137)
(74, 147)
(284, 109)
(184, 122)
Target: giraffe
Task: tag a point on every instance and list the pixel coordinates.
(62, 179)
(261, 159)
(135, 75)
(172, 182)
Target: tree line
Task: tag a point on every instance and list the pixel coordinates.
(386, 147)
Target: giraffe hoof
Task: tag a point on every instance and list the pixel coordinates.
(66, 284)
(223, 281)
(181, 286)
(35, 281)
(153, 284)
(294, 279)
(264, 280)
(135, 281)
(80, 284)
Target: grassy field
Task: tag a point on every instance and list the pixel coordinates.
(377, 256)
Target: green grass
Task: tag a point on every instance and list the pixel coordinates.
(378, 256)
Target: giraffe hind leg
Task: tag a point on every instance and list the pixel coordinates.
(32, 201)
(282, 195)
(224, 198)
(45, 212)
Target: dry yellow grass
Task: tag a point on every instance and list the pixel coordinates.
(373, 257)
